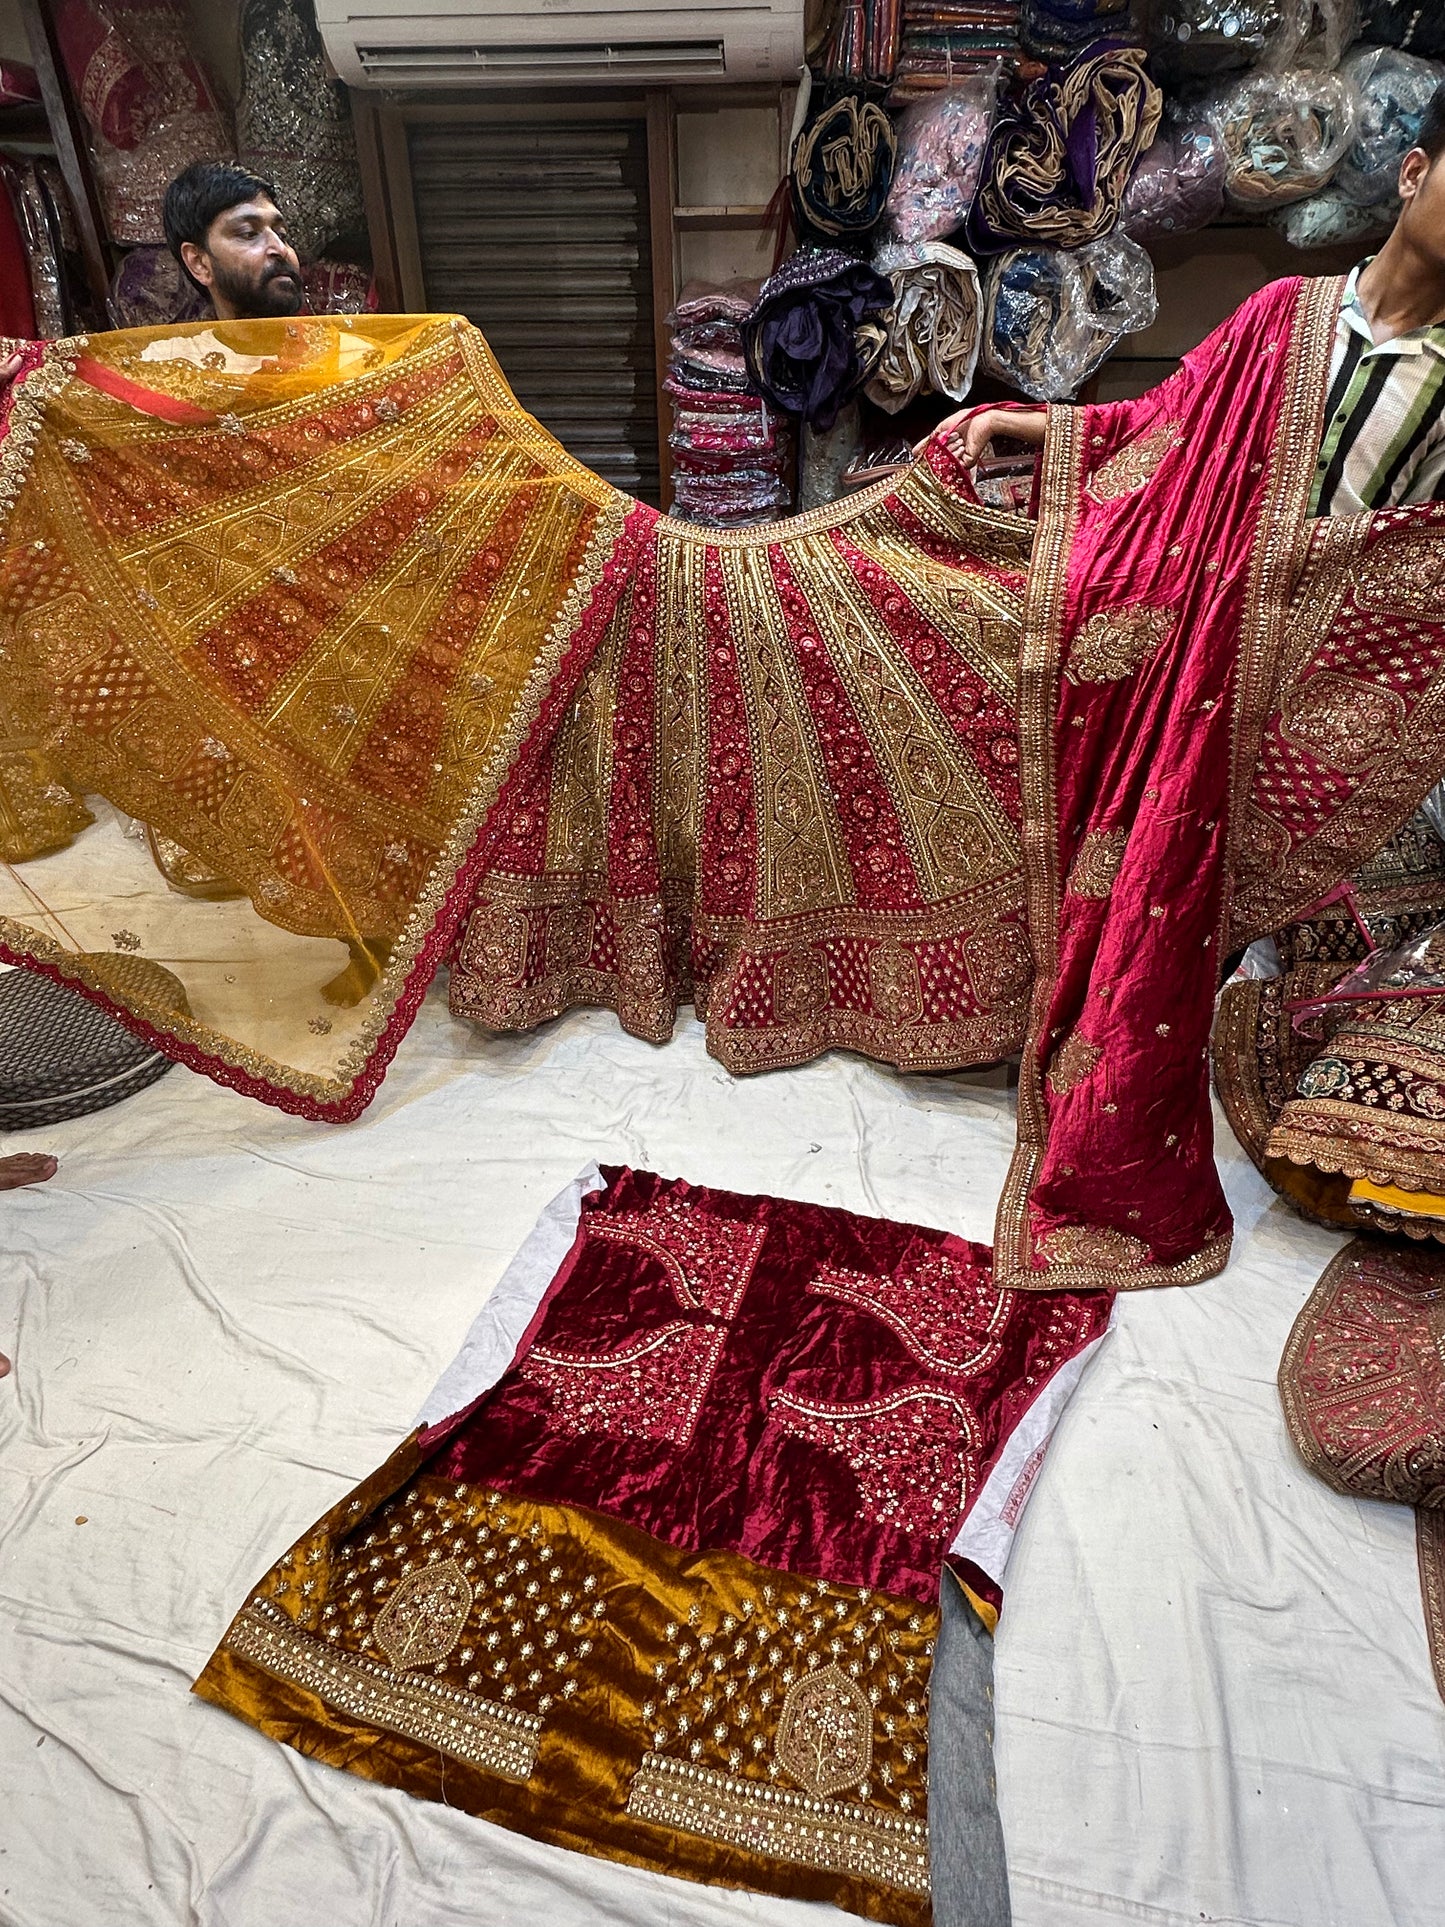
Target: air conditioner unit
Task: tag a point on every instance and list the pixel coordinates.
(389, 43)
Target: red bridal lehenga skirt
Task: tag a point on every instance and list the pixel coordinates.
(658, 1576)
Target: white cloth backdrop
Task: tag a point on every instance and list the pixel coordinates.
(1213, 1701)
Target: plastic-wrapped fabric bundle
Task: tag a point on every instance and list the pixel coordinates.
(1203, 37)
(150, 106)
(293, 125)
(1062, 151)
(1283, 134)
(933, 332)
(729, 452)
(941, 145)
(1415, 26)
(841, 169)
(1330, 219)
(1178, 186)
(1052, 317)
(815, 333)
(1394, 91)
(1319, 35)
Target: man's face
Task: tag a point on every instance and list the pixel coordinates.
(1422, 192)
(247, 265)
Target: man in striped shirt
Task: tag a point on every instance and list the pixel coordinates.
(1384, 440)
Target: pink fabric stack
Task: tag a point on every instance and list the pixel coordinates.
(730, 450)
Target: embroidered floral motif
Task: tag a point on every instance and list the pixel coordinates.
(800, 984)
(1099, 859)
(1000, 962)
(946, 1313)
(708, 1259)
(893, 979)
(1092, 1246)
(914, 1454)
(1325, 1077)
(125, 939)
(824, 1741)
(423, 1619)
(1346, 723)
(1404, 574)
(1114, 642)
(1134, 464)
(1363, 1376)
(652, 1389)
(1072, 1063)
(463, 1725)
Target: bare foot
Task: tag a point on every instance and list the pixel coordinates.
(26, 1167)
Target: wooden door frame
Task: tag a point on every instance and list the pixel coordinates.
(389, 197)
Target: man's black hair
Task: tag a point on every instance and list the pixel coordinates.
(1432, 125)
(201, 193)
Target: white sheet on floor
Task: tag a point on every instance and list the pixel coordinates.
(1214, 1702)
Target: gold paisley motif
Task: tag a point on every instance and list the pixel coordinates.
(1134, 464)
(1072, 1063)
(1098, 862)
(1114, 642)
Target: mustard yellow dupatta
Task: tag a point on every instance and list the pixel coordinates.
(299, 600)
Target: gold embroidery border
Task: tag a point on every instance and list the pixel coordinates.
(1430, 1552)
(774, 1822)
(462, 1725)
(916, 490)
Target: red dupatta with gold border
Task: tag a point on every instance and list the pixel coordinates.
(1224, 708)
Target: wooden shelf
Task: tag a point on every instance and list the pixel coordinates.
(702, 220)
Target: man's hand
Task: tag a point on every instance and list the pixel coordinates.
(968, 433)
(9, 369)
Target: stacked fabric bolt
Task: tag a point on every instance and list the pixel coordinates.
(729, 450)
(943, 41)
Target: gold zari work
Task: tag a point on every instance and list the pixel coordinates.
(531, 1661)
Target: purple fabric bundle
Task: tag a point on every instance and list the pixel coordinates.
(815, 333)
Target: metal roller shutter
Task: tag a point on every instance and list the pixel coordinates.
(538, 232)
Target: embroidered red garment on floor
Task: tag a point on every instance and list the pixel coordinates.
(667, 1591)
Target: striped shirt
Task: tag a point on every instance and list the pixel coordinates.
(1385, 417)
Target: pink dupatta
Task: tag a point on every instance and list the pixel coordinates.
(1224, 707)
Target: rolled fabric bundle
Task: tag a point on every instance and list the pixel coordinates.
(1052, 317)
(1178, 186)
(815, 333)
(941, 145)
(1394, 91)
(842, 168)
(1062, 151)
(1407, 24)
(933, 333)
(1284, 134)
(1330, 218)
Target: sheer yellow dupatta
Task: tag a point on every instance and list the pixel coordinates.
(286, 609)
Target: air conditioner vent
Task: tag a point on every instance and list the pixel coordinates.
(544, 60)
